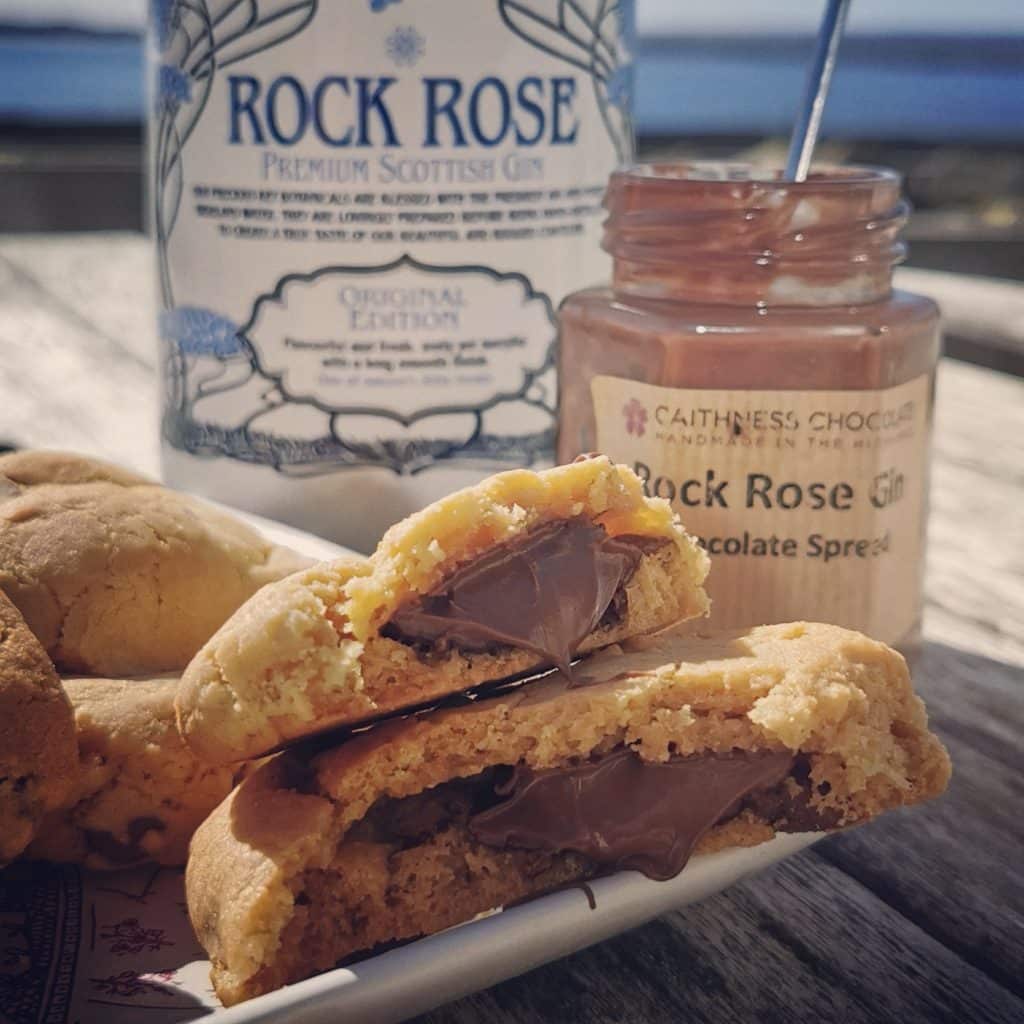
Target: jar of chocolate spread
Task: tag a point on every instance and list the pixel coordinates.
(752, 362)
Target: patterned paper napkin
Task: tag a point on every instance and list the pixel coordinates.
(78, 947)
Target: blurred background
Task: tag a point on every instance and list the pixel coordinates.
(932, 87)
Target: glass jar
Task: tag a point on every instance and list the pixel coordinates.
(754, 365)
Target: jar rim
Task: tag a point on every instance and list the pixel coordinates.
(718, 235)
(708, 173)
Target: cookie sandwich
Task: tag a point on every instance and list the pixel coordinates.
(522, 572)
(654, 750)
(117, 575)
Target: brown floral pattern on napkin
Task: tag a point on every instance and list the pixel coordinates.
(78, 947)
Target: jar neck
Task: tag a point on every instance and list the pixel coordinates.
(715, 234)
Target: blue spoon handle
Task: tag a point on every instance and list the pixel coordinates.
(812, 106)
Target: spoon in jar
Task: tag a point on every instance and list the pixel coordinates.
(812, 106)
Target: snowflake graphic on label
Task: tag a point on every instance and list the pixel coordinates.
(405, 46)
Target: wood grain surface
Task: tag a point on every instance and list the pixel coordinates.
(918, 917)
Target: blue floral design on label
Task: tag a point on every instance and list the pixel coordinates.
(594, 36)
(198, 39)
(164, 16)
(200, 332)
(173, 87)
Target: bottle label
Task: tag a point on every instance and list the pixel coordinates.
(365, 215)
(811, 504)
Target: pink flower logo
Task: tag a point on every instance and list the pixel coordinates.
(636, 418)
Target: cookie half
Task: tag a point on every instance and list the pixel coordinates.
(38, 754)
(682, 743)
(117, 575)
(523, 571)
(139, 792)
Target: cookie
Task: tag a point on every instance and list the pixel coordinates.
(658, 748)
(115, 574)
(38, 755)
(139, 792)
(523, 571)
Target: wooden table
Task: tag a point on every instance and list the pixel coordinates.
(919, 917)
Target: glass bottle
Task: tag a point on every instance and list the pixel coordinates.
(365, 215)
(752, 361)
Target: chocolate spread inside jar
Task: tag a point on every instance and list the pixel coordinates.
(751, 361)
(544, 592)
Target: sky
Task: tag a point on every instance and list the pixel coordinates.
(655, 17)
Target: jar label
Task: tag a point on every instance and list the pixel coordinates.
(811, 504)
(365, 216)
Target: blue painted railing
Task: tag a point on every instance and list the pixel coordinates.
(929, 89)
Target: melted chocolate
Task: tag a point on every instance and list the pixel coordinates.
(622, 812)
(543, 592)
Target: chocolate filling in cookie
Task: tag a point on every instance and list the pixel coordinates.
(543, 592)
(615, 811)
(432, 860)
(621, 812)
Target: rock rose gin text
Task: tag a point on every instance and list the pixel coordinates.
(366, 213)
(753, 364)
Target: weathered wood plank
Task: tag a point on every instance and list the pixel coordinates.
(954, 867)
(975, 700)
(983, 318)
(63, 384)
(802, 943)
(105, 280)
(975, 569)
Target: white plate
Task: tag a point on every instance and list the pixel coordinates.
(424, 974)
(121, 945)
